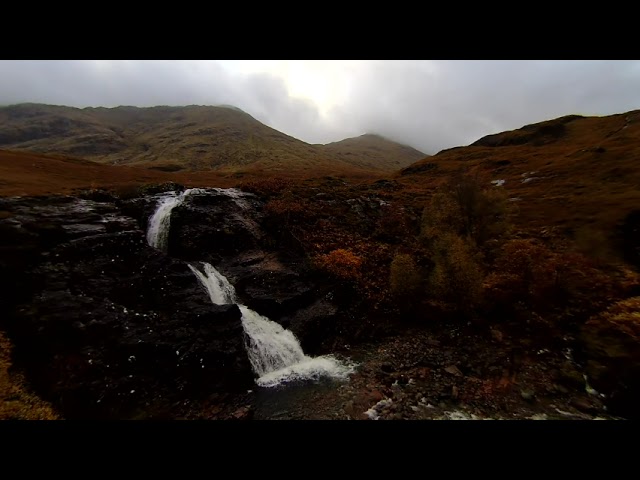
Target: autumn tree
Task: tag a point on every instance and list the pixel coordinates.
(405, 278)
(457, 274)
(463, 207)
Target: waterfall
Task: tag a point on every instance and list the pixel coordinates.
(218, 287)
(274, 352)
(158, 231)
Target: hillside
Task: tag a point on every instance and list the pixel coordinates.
(568, 172)
(31, 174)
(182, 138)
(370, 150)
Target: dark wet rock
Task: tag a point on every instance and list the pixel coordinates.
(271, 288)
(138, 208)
(313, 324)
(213, 225)
(106, 326)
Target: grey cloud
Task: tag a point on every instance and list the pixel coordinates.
(458, 102)
(149, 83)
(430, 105)
(81, 83)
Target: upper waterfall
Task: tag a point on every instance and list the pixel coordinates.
(160, 221)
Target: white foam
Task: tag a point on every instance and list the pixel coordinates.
(309, 368)
(460, 415)
(374, 412)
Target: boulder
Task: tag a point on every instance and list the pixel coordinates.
(213, 225)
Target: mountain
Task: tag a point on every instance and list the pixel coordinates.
(373, 150)
(571, 171)
(178, 138)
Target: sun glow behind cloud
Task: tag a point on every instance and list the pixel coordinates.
(326, 83)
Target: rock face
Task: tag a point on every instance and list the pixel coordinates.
(104, 325)
(224, 228)
(214, 225)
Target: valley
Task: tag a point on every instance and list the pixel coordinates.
(495, 280)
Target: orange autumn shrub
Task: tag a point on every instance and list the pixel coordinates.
(340, 263)
(528, 271)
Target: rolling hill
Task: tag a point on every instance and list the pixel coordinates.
(184, 138)
(570, 172)
(370, 149)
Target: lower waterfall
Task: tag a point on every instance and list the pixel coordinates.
(274, 352)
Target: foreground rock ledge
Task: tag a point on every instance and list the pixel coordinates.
(104, 326)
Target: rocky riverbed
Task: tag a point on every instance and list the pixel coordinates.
(440, 375)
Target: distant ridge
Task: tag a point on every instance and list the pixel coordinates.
(183, 138)
(371, 149)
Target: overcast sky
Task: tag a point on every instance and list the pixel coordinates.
(428, 104)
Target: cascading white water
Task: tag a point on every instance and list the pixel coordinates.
(274, 352)
(218, 287)
(158, 231)
(270, 346)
